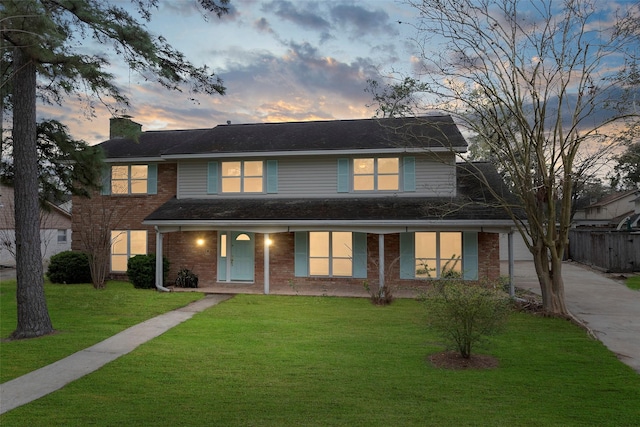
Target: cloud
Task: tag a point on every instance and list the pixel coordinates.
(361, 21)
(303, 17)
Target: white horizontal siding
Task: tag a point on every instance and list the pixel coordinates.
(308, 176)
(192, 179)
(434, 177)
(317, 176)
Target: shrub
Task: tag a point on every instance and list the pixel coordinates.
(466, 314)
(69, 267)
(187, 279)
(379, 295)
(141, 270)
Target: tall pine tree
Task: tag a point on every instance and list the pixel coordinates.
(39, 39)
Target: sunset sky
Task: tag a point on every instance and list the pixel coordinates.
(280, 60)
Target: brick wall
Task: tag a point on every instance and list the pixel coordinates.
(489, 256)
(121, 212)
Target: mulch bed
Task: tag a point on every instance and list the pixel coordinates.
(453, 360)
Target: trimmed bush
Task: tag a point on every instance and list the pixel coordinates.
(141, 270)
(69, 267)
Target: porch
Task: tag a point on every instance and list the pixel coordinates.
(327, 289)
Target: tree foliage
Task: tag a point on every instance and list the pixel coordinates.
(43, 59)
(536, 83)
(65, 165)
(626, 172)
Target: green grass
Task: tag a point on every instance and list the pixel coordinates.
(320, 361)
(82, 316)
(633, 283)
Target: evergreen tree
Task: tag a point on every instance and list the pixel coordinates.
(39, 61)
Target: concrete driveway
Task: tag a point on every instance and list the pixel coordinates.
(607, 306)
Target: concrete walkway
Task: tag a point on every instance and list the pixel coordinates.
(50, 378)
(606, 306)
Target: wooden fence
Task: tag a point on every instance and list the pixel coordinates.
(610, 250)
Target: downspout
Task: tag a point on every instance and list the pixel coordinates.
(159, 266)
(381, 261)
(512, 292)
(267, 242)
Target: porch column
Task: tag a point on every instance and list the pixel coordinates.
(266, 263)
(159, 269)
(512, 292)
(381, 259)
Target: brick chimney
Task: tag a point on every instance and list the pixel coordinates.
(124, 127)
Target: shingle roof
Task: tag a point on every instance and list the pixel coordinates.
(473, 202)
(418, 132)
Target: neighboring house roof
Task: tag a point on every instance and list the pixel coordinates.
(611, 198)
(473, 205)
(430, 132)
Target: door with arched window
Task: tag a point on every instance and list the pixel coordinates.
(236, 259)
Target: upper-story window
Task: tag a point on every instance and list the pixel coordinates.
(129, 179)
(381, 174)
(242, 177)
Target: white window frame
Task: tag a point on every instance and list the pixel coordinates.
(62, 236)
(115, 235)
(458, 263)
(376, 174)
(242, 177)
(129, 180)
(331, 257)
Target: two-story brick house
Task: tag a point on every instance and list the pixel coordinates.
(305, 203)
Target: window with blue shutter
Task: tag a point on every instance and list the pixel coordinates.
(272, 176)
(301, 251)
(105, 190)
(152, 179)
(409, 173)
(343, 175)
(407, 256)
(470, 255)
(360, 255)
(212, 178)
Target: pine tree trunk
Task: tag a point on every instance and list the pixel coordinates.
(33, 315)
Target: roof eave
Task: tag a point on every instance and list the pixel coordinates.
(314, 152)
(370, 225)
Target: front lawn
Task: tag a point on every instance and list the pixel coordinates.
(633, 283)
(322, 361)
(82, 317)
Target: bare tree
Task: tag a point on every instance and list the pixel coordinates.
(94, 235)
(537, 82)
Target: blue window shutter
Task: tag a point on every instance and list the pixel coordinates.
(407, 256)
(409, 173)
(222, 261)
(212, 178)
(301, 254)
(272, 176)
(106, 181)
(470, 255)
(152, 179)
(343, 175)
(359, 255)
